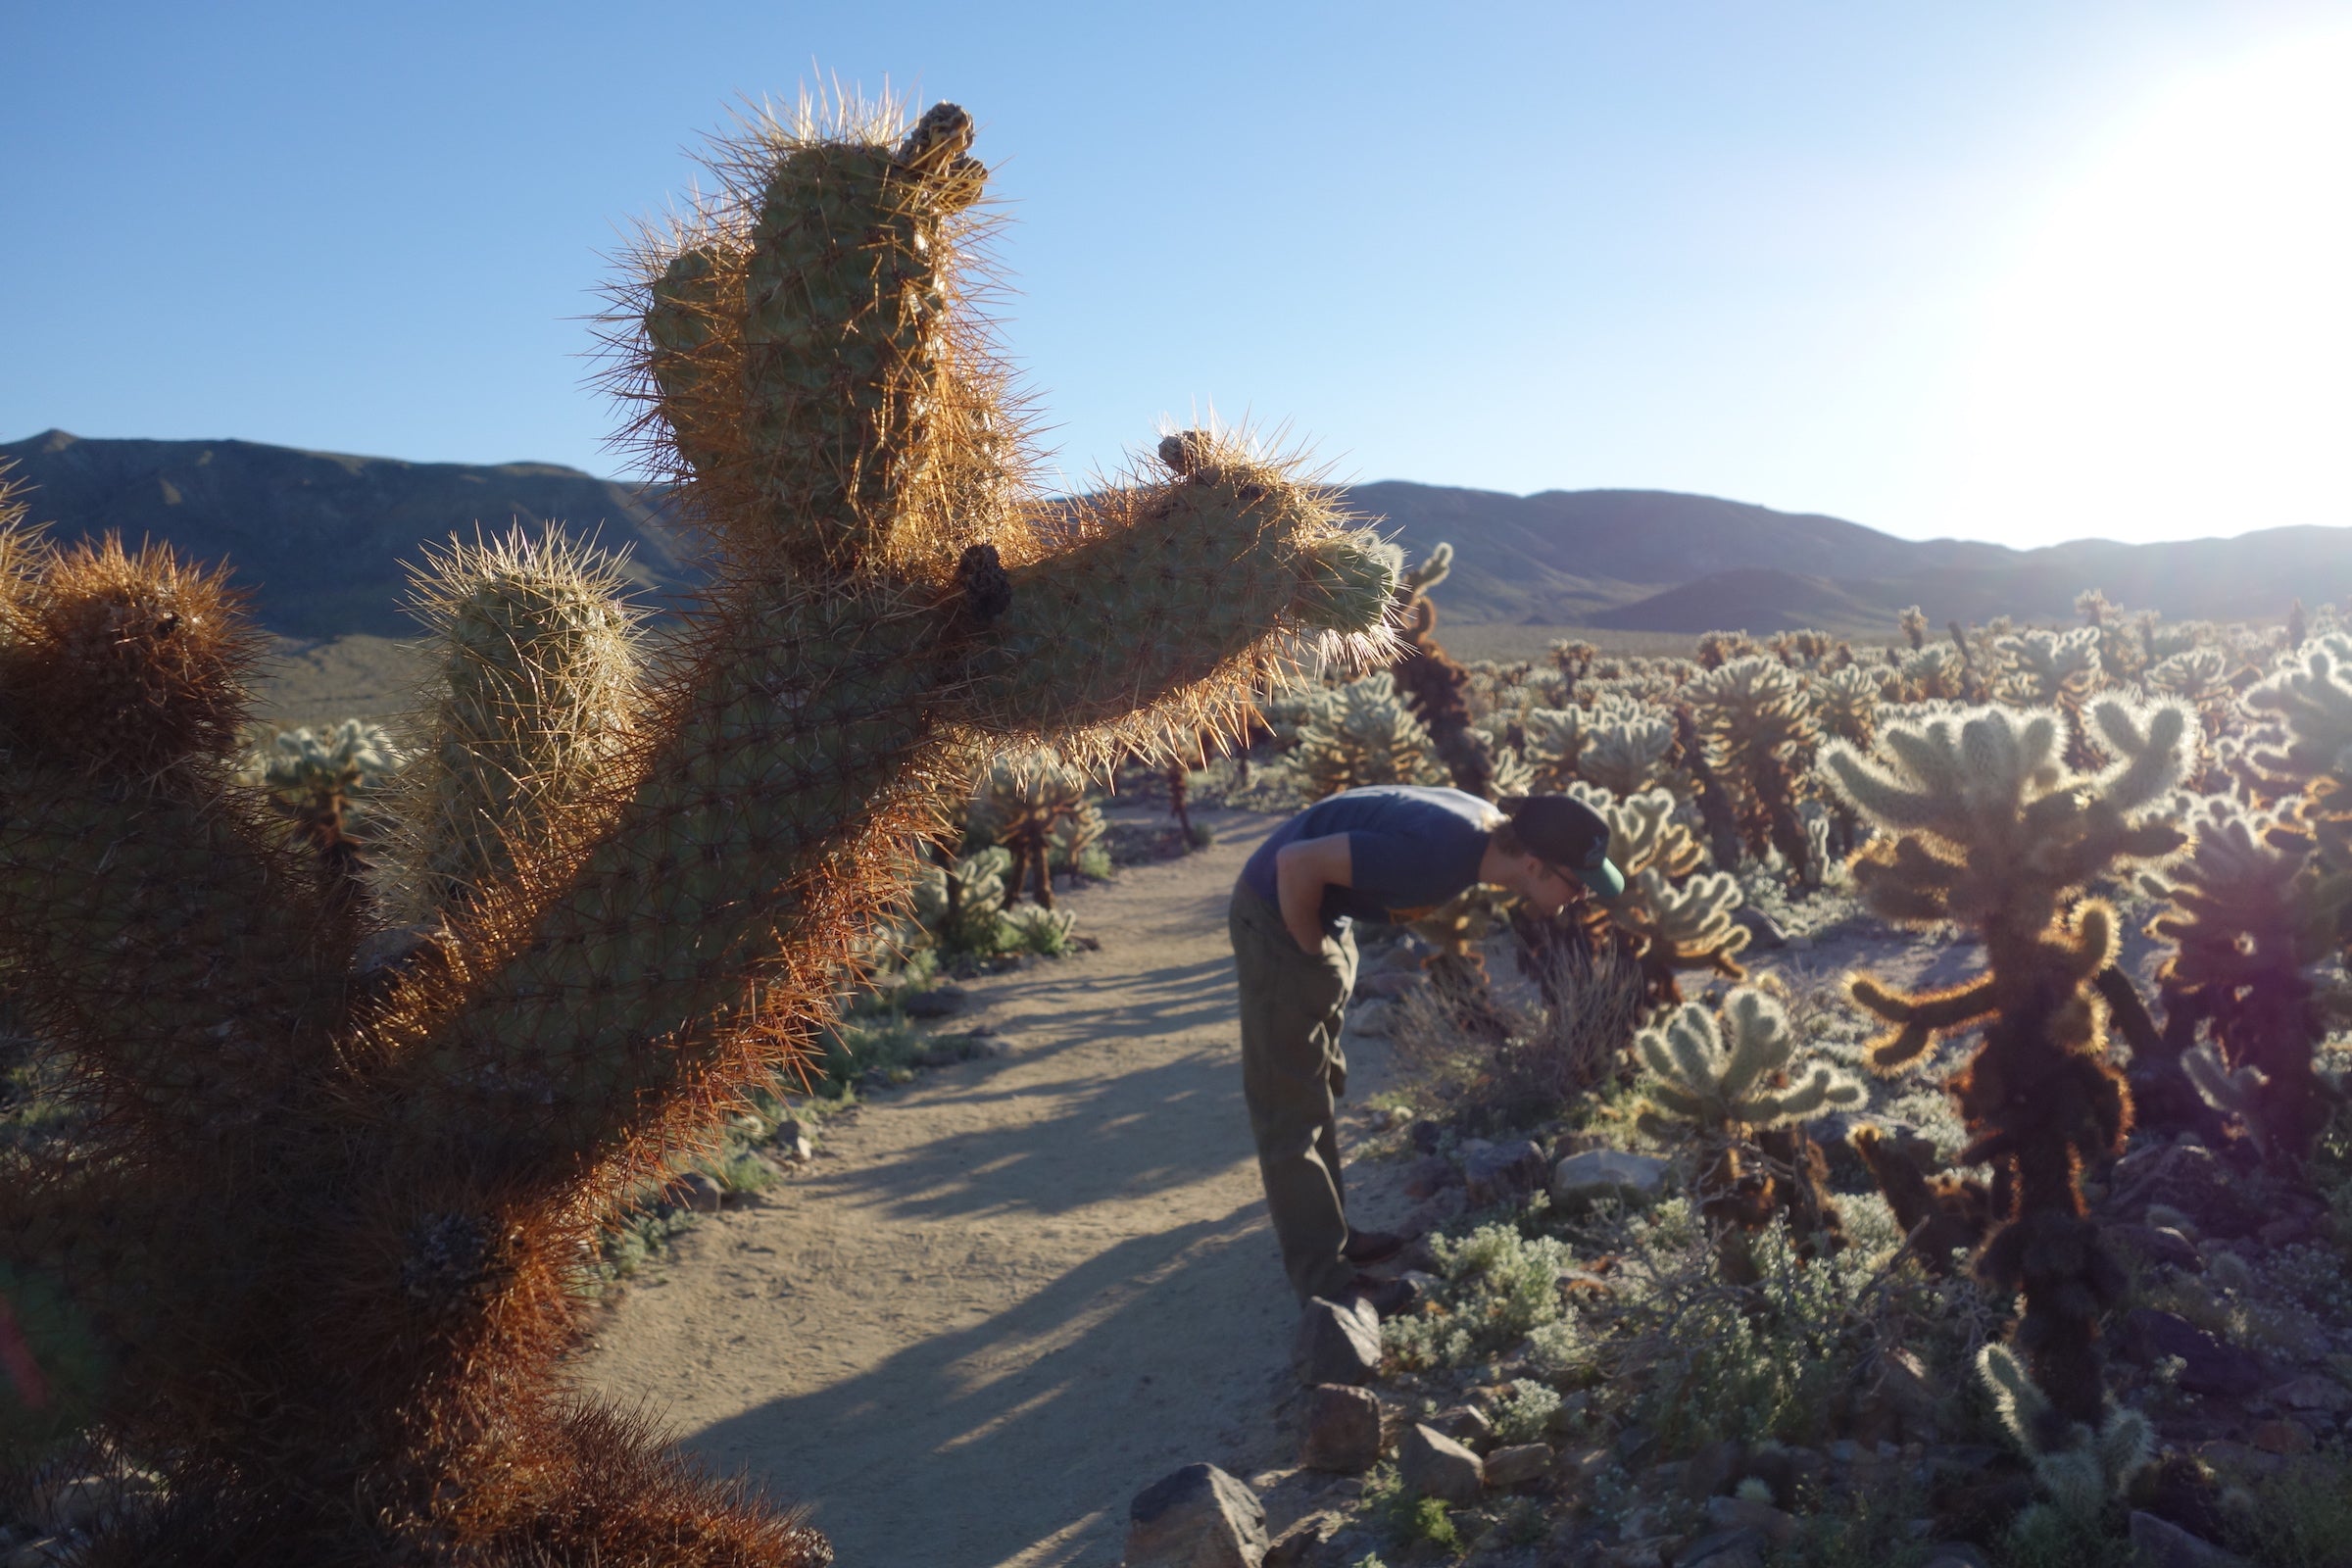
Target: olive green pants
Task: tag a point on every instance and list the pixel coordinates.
(1293, 1075)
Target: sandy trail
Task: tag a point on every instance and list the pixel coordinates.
(1007, 1297)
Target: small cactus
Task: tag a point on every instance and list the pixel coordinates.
(1755, 719)
(2078, 1469)
(324, 782)
(1739, 1084)
(1365, 736)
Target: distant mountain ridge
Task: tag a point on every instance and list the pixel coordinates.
(319, 537)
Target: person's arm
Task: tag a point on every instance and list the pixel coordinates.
(1303, 869)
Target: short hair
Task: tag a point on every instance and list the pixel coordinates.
(1504, 835)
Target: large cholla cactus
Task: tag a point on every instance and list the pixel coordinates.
(2310, 699)
(1628, 747)
(1364, 735)
(1755, 721)
(1739, 1085)
(1989, 831)
(2253, 911)
(317, 1265)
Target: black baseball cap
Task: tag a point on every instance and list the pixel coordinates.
(1569, 835)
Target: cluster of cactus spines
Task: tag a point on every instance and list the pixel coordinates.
(2310, 702)
(1912, 622)
(1669, 920)
(1740, 1083)
(1755, 722)
(1026, 805)
(320, 780)
(326, 1257)
(1987, 829)
(534, 697)
(1717, 649)
(2252, 912)
(1365, 735)
(2080, 1467)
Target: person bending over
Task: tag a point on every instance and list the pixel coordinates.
(1384, 853)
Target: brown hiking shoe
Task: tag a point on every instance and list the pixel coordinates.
(1367, 1247)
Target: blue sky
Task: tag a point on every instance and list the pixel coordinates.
(1948, 269)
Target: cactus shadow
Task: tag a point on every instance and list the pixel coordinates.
(977, 1443)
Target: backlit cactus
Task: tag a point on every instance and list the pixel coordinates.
(321, 1269)
(1434, 683)
(323, 782)
(1365, 735)
(2253, 911)
(1988, 829)
(1669, 921)
(1738, 1083)
(1757, 724)
(1028, 804)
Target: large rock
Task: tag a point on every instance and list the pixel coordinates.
(1342, 1430)
(1597, 1174)
(1725, 1548)
(1503, 1173)
(1518, 1464)
(1199, 1517)
(1336, 1342)
(2207, 1364)
(1432, 1464)
(2161, 1543)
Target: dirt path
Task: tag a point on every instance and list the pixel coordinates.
(1006, 1299)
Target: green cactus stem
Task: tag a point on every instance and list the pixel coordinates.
(535, 694)
(1987, 829)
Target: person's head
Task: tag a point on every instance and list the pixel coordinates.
(1545, 847)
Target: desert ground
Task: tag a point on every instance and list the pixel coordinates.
(1007, 1297)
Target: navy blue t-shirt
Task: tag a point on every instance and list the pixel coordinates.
(1409, 849)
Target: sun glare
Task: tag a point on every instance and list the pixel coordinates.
(2172, 355)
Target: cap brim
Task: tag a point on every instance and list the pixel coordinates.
(1602, 877)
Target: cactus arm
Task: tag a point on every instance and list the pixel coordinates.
(1171, 585)
(177, 945)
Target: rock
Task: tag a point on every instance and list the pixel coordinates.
(1343, 1428)
(1374, 1020)
(1955, 1554)
(2161, 1543)
(2209, 1367)
(2313, 1392)
(1503, 1173)
(2160, 1243)
(1712, 1469)
(1389, 984)
(1599, 1174)
(1763, 927)
(1292, 1547)
(697, 1192)
(1738, 1513)
(1432, 1464)
(937, 1002)
(1900, 1399)
(1429, 1176)
(1336, 1344)
(1465, 1424)
(1199, 1517)
(2282, 1436)
(1518, 1464)
(1725, 1549)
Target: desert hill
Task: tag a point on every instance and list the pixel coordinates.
(319, 537)
(322, 538)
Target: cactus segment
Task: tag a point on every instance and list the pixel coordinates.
(535, 699)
